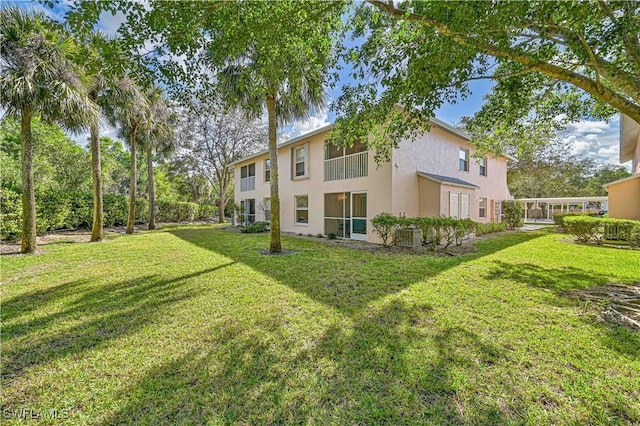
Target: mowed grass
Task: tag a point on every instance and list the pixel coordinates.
(192, 325)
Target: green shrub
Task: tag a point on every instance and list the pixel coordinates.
(584, 228)
(558, 218)
(205, 212)
(634, 236)
(596, 229)
(332, 235)
(255, 228)
(10, 214)
(385, 225)
(438, 233)
(488, 228)
(72, 210)
(512, 211)
(115, 209)
(182, 211)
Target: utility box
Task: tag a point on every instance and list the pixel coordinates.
(408, 237)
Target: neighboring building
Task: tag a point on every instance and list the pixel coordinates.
(624, 194)
(326, 189)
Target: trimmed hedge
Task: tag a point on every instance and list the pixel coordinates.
(558, 218)
(488, 228)
(588, 229)
(73, 210)
(437, 233)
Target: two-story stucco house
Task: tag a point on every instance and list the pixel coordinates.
(624, 194)
(334, 190)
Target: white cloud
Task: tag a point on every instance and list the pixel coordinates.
(310, 124)
(598, 140)
(582, 127)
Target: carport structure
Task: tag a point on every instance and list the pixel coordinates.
(541, 210)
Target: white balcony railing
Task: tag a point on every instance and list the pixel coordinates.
(247, 184)
(347, 167)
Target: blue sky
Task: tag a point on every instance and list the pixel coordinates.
(585, 139)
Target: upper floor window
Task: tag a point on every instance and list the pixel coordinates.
(300, 161)
(267, 170)
(482, 162)
(248, 177)
(464, 159)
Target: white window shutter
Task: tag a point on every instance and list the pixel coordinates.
(465, 206)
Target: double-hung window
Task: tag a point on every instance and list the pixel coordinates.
(464, 159)
(302, 209)
(267, 170)
(300, 161)
(482, 162)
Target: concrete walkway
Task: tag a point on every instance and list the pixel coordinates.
(533, 227)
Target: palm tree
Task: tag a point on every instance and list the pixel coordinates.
(265, 66)
(284, 101)
(38, 77)
(159, 137)
(107, 89)
(133, 116)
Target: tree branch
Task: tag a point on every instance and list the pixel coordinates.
(618, 101)
(630, 41)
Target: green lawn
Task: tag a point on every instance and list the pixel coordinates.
(194, 325)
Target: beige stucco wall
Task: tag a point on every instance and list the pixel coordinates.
(429, 198)
(391, 187)
(377, 186)
(437, 152)
(624, 199)
(635, 168)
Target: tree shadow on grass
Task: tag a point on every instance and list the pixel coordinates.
(371, 373)
(95, 316)
(342, 278)
(561, 281)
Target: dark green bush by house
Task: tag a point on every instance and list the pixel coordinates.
(255, 228)
(385, 225)
(488, 228)
(512, 211)
(438, 233)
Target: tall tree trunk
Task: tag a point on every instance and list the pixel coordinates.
(131, 219)
(222, 200)
(28, 191)
(152, 189)
(275, 246)
(222, 204)
(96, 171)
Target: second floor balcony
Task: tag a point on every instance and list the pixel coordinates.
(347, 167)
(247, 184)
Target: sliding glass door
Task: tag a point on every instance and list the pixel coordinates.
(345, 215)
